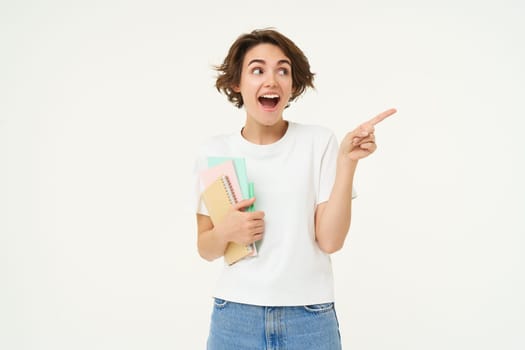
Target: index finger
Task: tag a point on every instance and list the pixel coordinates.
(382, 116)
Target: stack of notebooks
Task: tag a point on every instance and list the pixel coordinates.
(225, 183)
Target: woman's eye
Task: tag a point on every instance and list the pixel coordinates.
(257, 71)
(283, 71)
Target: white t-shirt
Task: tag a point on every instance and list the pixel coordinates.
(291, 177)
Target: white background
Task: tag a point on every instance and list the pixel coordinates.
(103, 104)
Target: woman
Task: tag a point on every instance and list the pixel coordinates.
(283, 298)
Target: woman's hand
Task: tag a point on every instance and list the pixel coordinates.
(361, 142)
(240, 226)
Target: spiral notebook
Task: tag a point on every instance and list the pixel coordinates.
(239, 165)
(219, 197)
(209, 175)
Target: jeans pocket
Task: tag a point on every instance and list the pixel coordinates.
(220, 303)
(319, 308)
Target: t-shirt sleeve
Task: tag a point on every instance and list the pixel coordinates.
(197, 205)
(328, 169)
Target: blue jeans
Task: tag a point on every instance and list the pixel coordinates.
(237, 326)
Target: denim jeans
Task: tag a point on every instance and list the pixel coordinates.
(237, 326)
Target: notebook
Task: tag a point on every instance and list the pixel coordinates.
(240, 169)
(242, 175)
(219, 198)
(209, 175)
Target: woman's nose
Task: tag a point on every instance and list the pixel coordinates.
(270, 80)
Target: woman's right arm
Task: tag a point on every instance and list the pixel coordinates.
(210, 244)
(237, 226)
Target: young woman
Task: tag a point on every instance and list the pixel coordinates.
(283, 298)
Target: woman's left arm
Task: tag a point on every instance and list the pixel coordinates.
(333, 217)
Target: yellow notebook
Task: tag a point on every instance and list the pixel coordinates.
(219, 198)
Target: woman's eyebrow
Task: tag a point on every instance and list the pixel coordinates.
(256, 60)
(261, 61)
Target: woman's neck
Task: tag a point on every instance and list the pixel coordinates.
(263, 134)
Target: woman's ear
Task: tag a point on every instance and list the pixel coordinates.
(236, 89)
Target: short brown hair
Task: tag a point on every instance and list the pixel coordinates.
(230, 70)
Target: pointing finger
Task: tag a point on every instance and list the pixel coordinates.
(382, 116)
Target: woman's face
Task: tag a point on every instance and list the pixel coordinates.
(266, 83)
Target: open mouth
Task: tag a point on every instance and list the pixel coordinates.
(269, 100)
